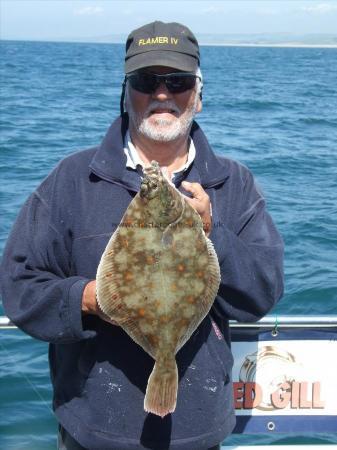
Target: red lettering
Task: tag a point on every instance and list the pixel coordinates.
(249, 395)
(281, 398)
(316, 396)
(253, 395)
(295, 394)
(238, 388)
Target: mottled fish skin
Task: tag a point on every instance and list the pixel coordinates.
(158, 278)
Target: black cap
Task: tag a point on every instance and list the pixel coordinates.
(162, 44)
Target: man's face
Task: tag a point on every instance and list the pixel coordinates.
(162, 116)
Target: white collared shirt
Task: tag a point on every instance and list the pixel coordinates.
(133, 159)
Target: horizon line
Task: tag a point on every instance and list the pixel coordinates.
(201, 44)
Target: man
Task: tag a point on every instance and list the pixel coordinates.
(98, 373)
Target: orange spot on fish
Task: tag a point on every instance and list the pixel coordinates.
(141, 312)
(173, 287)
(128, 222)
(163, 319)
(108, 274)
(200, 273)
(114, 296)
(128, 276)
(190, 299)
(189, 222)
(153, 339)
(181, 267)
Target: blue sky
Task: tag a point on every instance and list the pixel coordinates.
(66, 19)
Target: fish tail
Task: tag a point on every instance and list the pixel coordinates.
(162, 387)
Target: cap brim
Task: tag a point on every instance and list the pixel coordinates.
(179, 61)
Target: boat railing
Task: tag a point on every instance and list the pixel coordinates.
(281, 321)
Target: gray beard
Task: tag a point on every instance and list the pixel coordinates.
(163, 130)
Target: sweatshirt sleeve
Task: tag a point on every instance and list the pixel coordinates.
(250, 256)
(38, 294)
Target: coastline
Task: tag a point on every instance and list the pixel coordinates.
(283, 45)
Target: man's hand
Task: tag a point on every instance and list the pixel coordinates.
(200, 202)
(90, 305)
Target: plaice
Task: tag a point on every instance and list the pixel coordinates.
(158, 278)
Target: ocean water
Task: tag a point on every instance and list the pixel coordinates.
(273, 109)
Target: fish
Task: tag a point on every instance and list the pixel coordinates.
(157, 279)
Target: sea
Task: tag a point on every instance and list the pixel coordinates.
(272, 109)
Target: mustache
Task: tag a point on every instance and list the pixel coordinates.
(162, 105)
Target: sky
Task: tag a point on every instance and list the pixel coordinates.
(90, 19)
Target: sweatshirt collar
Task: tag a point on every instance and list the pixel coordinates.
(109, 161)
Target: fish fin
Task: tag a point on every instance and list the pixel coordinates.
(162, 388)
(214, 271)
(108, 297)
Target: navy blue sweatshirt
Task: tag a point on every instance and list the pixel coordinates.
(99, 374)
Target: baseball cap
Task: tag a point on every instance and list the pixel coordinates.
(162, 44)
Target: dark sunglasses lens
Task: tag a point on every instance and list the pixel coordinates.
(179, 83)
(147, 83)
(143, 82)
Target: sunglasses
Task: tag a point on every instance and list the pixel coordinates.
(147, 82)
